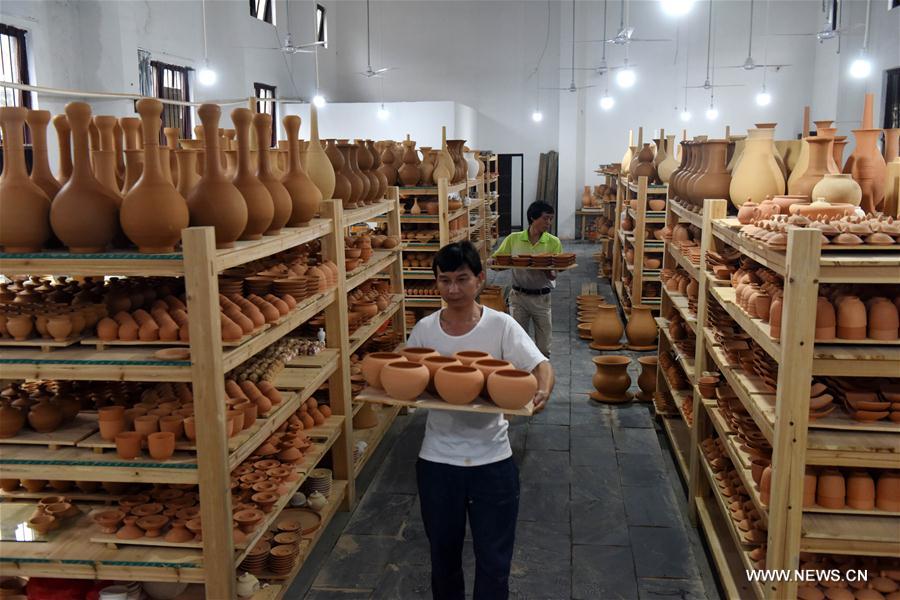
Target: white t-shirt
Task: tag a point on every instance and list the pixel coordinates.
(470, 439)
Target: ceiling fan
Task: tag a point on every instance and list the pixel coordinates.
(572, 87)
(288, 46)
(370, 72)
(831, 28)
(602, 67)
(749, 64)
(707, 83)
(625, 35)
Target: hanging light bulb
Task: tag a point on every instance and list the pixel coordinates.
(763, 98)
(607, 101)
(206, 76)
(861, 67)
(712, 113)
(537, 116)
(676, 8)
(685, 115)
(626, 77)
(319, 100)
(383, 113)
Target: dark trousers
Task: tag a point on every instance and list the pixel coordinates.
(489, 496)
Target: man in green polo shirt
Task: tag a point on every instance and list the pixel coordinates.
(529, 299)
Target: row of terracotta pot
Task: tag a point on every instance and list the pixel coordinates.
(600, 195)
(452, 161)
(606, 330)
(656, 160)
(52, 512)
(115, 293)
(836, 489)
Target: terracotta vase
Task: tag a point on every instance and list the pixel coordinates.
(134, 155)
(37, 121)
(64, 143)
(426, 166)
(364, 160)
(162, 443)
(85, 214)
(625, 165)
(260, 207)
(171, 135)
(816, 168)
(45, 417)
(353, 180)
(281, 199)
(647, 378)
(757, 174)
(24, 206)
(860, 491)
(459, 161)
(837, 188)
(832, 490)
(887, 491)
(187, 168)
(668, 164)
(644, 166)
(867, 167)
(364, 184)
(388, 167)
(641, 329)
(305, 194)
(404, 380)
(735, 152)
(11, 421)
(715, 181)
(342, 188)
(409, 170)
(318, 167)
(444, 167)
(458, 384)
(606, 329)
(376, 170)
(511, 389)
(611, 380)
(680, 171)
(104, 159)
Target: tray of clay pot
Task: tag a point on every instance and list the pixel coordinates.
(496, 267)
(428, 401)
(68, 434)
(103, 344)
(45, 344)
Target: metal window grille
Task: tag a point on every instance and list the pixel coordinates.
(265, 104)
(172, 82)
(263, 10)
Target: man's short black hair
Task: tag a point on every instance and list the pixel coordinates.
(455, 256)
(537, 209)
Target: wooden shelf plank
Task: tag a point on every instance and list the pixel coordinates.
(730, 561)
(685, 215)
(367, 213)
(381, 259)
(430, 191)
(244, 252)
(682, 260)
(680, 302)
(680, 439)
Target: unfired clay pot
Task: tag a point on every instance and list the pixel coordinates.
(260, 208)
(817, 167)
(641, 329)
(867, 167)
(488, 366)
(434, 363)
(606, 329)
(458, 384)
(757, 175)
(851, 318)
(404, 380)
(281, 199)
(511, 389)
(647, 378)
(887, 491)
(611, 380)
(342, 188)
(317, 165)
(372, 364)
(831, 490)
(305, 195)
(837, 188)
(860, 491)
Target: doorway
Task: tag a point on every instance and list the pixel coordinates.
(511, 187)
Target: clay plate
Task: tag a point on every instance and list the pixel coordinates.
(173, 354)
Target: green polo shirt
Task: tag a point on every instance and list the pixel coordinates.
(519, 243)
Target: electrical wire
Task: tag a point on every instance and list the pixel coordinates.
(546, 43)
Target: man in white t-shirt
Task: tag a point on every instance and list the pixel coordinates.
(465, 467)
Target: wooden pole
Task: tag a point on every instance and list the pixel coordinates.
(637, 280)
(208, 377)
(396, 272)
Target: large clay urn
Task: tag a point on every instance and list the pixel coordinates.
(318, 167)
(64, 141)
(342, 189)
(606, 329)
(409, 170)
(611, 380)
(644, 166)
(714, 180)
(105, 158)
(364, 183)
(388, 168)
(641, 329)
(38, 120)
(867, 167)
(85, 214)
(838, 188)
(153, 212)
(891, 144)
(355, 182)
(625, 165)
(260, 208)
(24, 206)
(757, 175)
(817, 166)
(215, 201)
(364, 160)
(668, 164)
(305, 195)
(281, 199)
(647, 378)
(376, 164)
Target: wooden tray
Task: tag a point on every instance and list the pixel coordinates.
(428, 401)
(69, 434)
(494, 266)
(46, 345)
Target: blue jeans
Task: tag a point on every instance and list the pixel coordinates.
(489, 496)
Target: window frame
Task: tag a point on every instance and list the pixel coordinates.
(158, 70)
(268, 15)
(259, 88)
(322, 26)
(20, 97)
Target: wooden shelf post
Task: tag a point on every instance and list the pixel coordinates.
(640, 225)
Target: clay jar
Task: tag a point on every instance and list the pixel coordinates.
(860, 491)
(606, 329)
(128, 444)
(45, 417)
(260, 207)
(757, 175)
(825, 319)
(161, 445)
(641, 329)
(11, 420)
(372, 364)
(837, 188)
(511, 389)
(281, 200)
(867, 166)
(24, 206)
(364, 161)
(644, 166)
(404, 380)
(215, 201)
(153, 213)
(887, 491)
(611, 379)
(435, 363)
(305, 195)
(647, 378)
(884, 320)
(851, 319)
(831, 489)
(458, 384)
(714, 180)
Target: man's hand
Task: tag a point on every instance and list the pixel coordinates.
(540, 400)
(551, 274)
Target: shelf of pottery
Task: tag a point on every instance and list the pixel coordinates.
(598, 219)
(119, 334)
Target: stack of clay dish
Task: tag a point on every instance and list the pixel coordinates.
(821, 404)
(504, 260)
(319, 480)
(230, 285)
(296, 287)
(542, 260)
(256, 559)
(563, 260)
(282, 558)
(521, 260)
(258, 285)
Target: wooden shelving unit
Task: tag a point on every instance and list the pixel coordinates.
(491, 179)
(603, 257)
(210, 460)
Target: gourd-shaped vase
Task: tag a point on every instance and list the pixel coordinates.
(318, 167)
(354, 181)
(105, 157)
(305, 195)
(867, 167)
(37, 121)
(153, 212)
(757, 175)
(660, 150)
(171, 134)
(24, 206)
(715, 180)
(628, 156)
(134, 156)
(696, 170)
(426, 167)
(388, 168)
(376, 166)
(342, 190)
(364, 183)
(187, 170)
(459, 161)
(85, 214)
(64, 141)
(443, 168)
(409, 170)
(281, 199)
(668, 164)
(260, 208)
(644, 166)
(817, 166)
(364, 161)
(215, 201)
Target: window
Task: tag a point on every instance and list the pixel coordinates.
(267, 92)
(264, 10)
(14, 65)
(170, 82)
(892, 99)
(321, 26)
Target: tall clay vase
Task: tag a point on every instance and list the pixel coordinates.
(409, 170)
(281, 199)
(24, 206)
(318, 167)
(644, 166)
(867, 167)
(353, 165)
(376, 165)
(611, 380)
(715, 180)
(85, 214)
(840, 142)
(891, 144)
(459, 161)
(817, 166)
(668, 164)
(426, 167)
(187, 169)
(260, 208)
(892, 187)
(444, 166)
(355, 182)
(647, 378)
(105, 157)
(364, 160)
(134, 157)
(679, 173)
(215, 201)
(342, 189)
(625, 165)
(641, 329)
(153, 212)
(171, 134)
(38, 120)
(388, 168)
(63, 137)
(757, 175)
(119, 147)
(696, 170)
(606, 329)
(305, 195)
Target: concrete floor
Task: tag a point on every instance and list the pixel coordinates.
(602, 512)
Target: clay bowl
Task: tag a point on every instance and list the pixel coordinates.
(458, 384)
(404, 380)
(152, 524)
(248, 519)
(43, 523)
(417, 354)
(467, 357)
(108, 520)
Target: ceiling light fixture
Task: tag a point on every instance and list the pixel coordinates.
(676, 8)
(319, 100)
(537, 116)
(383, 113)
(626, 77)
(712, 113)
(861, 67)
(206, 76)
(607, 101)
(763, 98)
(685, 115)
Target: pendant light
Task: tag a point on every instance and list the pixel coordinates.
(763, 98)
(606, 101)
(206, 76)
(861, 67)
